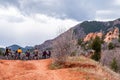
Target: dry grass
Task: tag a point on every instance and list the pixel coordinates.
(88, 67)
(99, 70)
(54, 66)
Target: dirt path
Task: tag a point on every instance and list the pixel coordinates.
(24, 70)
(27, 70)
(38, 70)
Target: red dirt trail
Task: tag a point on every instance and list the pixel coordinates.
(38, 70)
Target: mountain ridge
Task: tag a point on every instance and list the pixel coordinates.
(80, 30)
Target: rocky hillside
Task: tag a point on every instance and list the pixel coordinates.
(80, 31)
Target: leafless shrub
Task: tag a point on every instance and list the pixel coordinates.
(108, 55)
(63, 47)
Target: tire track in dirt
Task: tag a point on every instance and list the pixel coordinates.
(38, 70)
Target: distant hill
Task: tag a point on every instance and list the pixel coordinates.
(81, 30)
(28, 47)
(15, 47)
(2, 49)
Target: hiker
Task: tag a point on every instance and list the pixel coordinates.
(10, 53)
(49, 54)
(44, 54)
(16, 54)
(28, 54)
(19, 51)
(7, 52)
(35, 53)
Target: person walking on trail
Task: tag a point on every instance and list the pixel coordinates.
(36, 51)
(28, 54)
(7, 52)
(16, 54)
(49, 54)
(44, 54)
(10, 53)
(19, 51)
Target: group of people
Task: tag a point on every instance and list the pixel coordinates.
(35, 54)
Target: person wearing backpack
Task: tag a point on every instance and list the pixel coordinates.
(36, 52)
(28, 54)
(6, 52)
(49, 54)
(16, 55)
(19, 51)
(44, 55)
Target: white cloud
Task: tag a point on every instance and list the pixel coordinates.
(10, 14)
(116, 2)
(106, 15)
(11, 11)
(31, 30)
(101, 12)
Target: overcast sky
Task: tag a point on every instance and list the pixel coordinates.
(31, 22)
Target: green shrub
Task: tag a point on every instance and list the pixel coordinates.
(111, 46)
(80, 41)
(1, 53)
(54, 66)
(96, 45)
(73, 53)
(114, 65)
(96, 56)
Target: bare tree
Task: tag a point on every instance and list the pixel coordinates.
(63, 46)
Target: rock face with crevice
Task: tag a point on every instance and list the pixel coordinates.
(92, 36)
(111, 35)
(114, 34)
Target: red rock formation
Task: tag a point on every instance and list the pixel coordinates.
(92, 36)
(112, 35)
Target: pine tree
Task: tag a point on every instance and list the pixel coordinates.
(114, 65)
(96, 45)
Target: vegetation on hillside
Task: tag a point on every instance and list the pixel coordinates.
(111, 46)
(93, 26)
(114, 65)
(96, 45)
(80, 41)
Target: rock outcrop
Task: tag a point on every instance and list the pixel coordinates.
(92, 36)
(112, 35)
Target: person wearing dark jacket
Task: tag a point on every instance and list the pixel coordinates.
(49, 54)
(28, 54)
(7, 51)
(44, 54)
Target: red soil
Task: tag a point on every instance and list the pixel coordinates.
(38, 70)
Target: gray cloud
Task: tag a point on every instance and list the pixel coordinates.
(75, 9)
(9, 2)
(29, 19)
